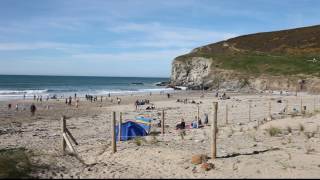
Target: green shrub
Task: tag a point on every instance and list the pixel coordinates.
(273, 131)
(14, 163)
(289, 129)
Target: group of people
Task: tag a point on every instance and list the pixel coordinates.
(69, 101)
(223, 96)
(196, 123)
(91, 98)
(32, 108)
(142, 102)
(152, 107)
(185, 101)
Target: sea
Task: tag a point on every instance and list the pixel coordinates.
(16, 86)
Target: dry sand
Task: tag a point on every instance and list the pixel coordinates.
(245, 149)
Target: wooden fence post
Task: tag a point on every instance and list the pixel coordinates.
(198, 114)
(120, 123)
(113, 124)
(226, 113)
(269, 109)
(314, 104)
(301, 105)
(214, 131)
(162, 122)
(63, 129)
(249, 111)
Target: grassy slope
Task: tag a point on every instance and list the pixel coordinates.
(274, 53)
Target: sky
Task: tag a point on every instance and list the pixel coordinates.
(137, 38)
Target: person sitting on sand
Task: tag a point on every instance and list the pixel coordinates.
(159, 123)
(199, 122)
(181, 125)
(194, 123)
(33, 109)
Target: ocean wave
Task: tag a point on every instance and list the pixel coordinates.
(19, 92)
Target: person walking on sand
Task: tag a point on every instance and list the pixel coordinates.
(17, 107)
(119, 101)
(77, 103)
(33, 109)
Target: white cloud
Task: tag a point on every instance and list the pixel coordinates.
(39, 45)
(131, 56)
(157, 35)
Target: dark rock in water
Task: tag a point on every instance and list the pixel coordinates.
(137, 83)
(173, 87)
(162, 83)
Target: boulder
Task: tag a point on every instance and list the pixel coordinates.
(198, 159)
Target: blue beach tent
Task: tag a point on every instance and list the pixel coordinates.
(130, 130)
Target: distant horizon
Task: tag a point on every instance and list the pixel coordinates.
(84, 76)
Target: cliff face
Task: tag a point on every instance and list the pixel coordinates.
(282, 60)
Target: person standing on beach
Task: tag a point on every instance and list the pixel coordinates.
(119, 100)
(206, 119)
(33, 109)
(70, 100)
(17, 107)
(137, 103)
(75, 95)
(24, 96)
(34, 97)
(100, 98)
(9, 106)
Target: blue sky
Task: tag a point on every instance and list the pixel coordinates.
(130, 37)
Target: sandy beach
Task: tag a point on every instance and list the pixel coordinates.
(245, 146)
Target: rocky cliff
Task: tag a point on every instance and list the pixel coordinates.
(280, 60)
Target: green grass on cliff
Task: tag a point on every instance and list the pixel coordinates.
(256, 64)
(284, 52)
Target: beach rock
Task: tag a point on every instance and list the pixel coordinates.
(198, 159)
(207, 166)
